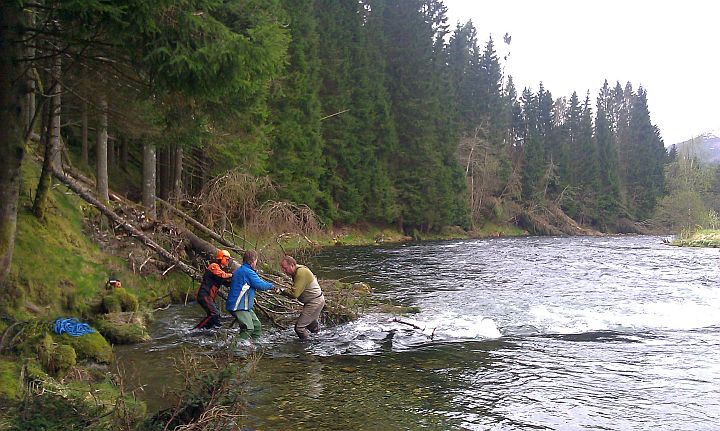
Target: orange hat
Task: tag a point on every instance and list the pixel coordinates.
(223, 256)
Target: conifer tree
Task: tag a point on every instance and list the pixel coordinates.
(533, 146)
(422, 173)
(608, 199)
(588, 176)
(648, 155)
(355, 131)
(296, 113)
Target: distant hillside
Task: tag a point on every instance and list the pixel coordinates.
(705, 147)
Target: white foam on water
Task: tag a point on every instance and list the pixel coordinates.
(662, 315)
(452, 326)
(455, 326)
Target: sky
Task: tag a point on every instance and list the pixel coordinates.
(671, 48)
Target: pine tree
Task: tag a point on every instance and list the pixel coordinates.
(608, 199)
(297, 141)
(423, 176)
(356, 131)
(648, 155)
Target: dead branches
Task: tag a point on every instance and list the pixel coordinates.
(287, 217)
(201, 227)
(124, 224)
(233, 196)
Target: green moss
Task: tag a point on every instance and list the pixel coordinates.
(34, 371)
(128, 301)
(45, 349)
(119, 332)
(111, 304)
(33, 338)
(10, 387)
(64, 358)
(93, 347)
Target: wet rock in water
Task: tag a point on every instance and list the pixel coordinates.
(362, 287)
(348, 369)
(123, 328)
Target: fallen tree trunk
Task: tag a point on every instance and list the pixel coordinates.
(281, 310)
(75, 174)
(129, 228)
(201, 227)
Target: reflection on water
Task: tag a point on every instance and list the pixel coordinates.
(514, 334)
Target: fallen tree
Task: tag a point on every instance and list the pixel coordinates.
(344, 301)
(76, 187)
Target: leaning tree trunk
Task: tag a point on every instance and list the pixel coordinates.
(124, 224)
(101, 150)
(148, 187)
(52, 144)
(12, 120)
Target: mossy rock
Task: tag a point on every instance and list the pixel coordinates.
(79, 406)
(118, 331)
(119, 300)
(128, 301)
(64, 358)
(111, 304)
(10, 387)
(91, 347)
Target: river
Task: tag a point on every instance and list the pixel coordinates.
(538, 333)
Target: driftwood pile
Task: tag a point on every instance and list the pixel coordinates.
(343, 300)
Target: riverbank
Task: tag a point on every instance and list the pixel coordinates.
(61, 268)
(366, 234)
(700, 238)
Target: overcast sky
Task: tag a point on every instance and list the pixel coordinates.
(671, 48)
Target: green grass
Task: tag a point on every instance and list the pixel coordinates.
(9, 379)
(58, 268)
(494, 230)
(698, 238)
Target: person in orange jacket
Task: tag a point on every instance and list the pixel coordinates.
(214, 277)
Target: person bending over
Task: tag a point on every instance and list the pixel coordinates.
(305, 289)
(214, 277)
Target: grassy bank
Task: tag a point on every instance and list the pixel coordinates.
(51, 381)
(699, 238)
(58, 269)
(373, 234)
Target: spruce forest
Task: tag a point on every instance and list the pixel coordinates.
(364, 111)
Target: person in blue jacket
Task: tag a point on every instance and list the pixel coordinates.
(245, 281)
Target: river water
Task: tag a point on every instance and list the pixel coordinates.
(611, 333)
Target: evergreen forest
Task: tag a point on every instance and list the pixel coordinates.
(364, 111)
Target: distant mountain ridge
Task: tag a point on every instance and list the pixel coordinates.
(705, 147)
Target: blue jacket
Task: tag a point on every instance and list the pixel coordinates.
(242, 289)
